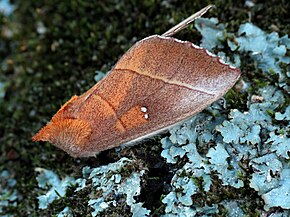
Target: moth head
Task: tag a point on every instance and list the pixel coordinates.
(71, 135)
(65, 131)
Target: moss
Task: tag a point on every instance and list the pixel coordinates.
(43, 70)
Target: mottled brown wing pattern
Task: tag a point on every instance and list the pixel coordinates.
(159, 82)
(173, 80)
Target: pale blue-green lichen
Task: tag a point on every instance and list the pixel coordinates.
(279, 196)
(56, 187)
(8, 194)
(269, 162)
(268, 50)
(108, 180)
(233, 208)
(82, 44)
(66, 212)
(213, 144)
(201, 165)
(6, 7)
(99, 75)
(280, 143)
(212, 32)
(252, 137)
(178, 206)
(283, 116)
(105, 183)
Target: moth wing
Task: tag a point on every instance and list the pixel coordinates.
(161, 81)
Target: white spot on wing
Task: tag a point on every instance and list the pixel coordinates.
(143, 109)
(146, 116)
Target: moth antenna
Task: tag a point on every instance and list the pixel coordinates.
(186, 22)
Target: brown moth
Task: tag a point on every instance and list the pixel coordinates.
(158, 82)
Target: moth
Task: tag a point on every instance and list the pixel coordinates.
(159, 82)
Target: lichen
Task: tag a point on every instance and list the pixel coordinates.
(8, 194)
(279, 196)
(267, 50)
(47, 56)
(109, 182)
(250, 145)
(50, 181)
(66, 212)
(107, 185)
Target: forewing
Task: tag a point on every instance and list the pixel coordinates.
(159, 82)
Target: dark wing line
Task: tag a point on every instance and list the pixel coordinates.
(112, 108)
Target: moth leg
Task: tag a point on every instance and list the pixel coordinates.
(186, 22)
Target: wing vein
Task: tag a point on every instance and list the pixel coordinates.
(113, 109)
(167, 81)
